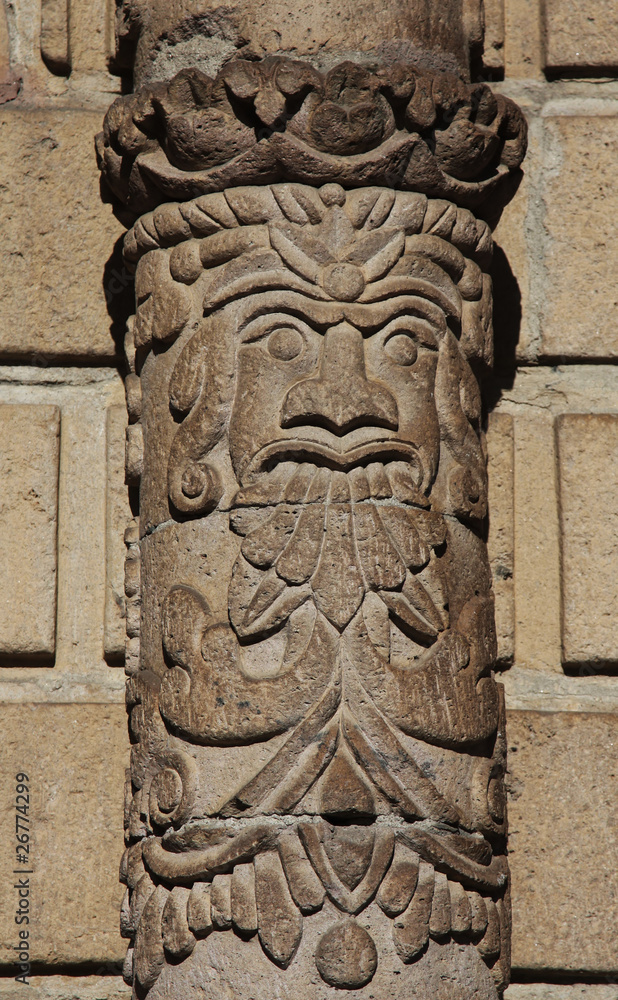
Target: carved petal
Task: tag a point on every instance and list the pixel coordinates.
(381, 564)
(440, 920)
(242, 894)
(399, 522)
(489, 945)
(306, 888)
(461, 913)
(149, 955)
(266, 542)
(198, 909)
(221, 902)
(280, 925)
(400, 881)
(177, 938)
(350, 900)
(299, 558)
(337, 584)
(411, 929)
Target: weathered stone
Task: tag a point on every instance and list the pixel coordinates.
(118, 515)
(587, 450)
(579, 317)
(537, 544)
(58, 240)
(306, 505)
(281, 119)
(580, 34)
(191, 33)
(547, 991)
(71, 988)
(75, 757)
(563, 847)
(500, 539)
(28, 523)
(312, 320)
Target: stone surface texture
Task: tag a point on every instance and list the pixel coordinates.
(500, 541)
(581, 34)
(316, 605)
(562, 848)
(29, 525)
(555, 315)
(587, 447)
(58, 238)
(165, 36)
(117, 518)
(312, 539)
(75, 783)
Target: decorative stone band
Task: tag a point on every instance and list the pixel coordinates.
(306, 433)
(280, 119)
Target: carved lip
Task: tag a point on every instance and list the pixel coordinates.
(299, 450)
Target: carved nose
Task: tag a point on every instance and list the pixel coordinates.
(341, 397)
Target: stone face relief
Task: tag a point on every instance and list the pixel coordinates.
(316, 800)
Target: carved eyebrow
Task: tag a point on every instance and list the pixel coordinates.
(364, 316)
(374, 316)
(292, 304)
(263, 323)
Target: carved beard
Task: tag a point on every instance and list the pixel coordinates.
(311, 533)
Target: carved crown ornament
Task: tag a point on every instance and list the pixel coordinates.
(317, 771)
(280, 119)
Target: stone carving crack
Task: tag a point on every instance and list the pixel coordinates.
(319, 744)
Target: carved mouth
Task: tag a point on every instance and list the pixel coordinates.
(321, 455)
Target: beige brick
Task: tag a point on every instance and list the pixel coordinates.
(580, 316)
(500, 541)
(118, 514)
(77, 988)
(91, 29)
(74, 756)
(537, 556)
(523, 39)
(563, 841)
(581, 33)
(28, 532)
(58, 238)
(587, 447)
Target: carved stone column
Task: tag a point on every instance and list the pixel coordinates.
(316, 801)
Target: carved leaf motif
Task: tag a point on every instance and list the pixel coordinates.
(337, 584)
(280, 924)
(400, 882)
(350, 900)
(440, 919)
(264, 545)
(411, 929)
(242, 897)
(178, 940)
(382, 566)
(305, 887)
(401, 526)
(149, 957)
(298, 560)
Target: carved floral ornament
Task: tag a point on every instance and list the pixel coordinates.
(280, 119)
(319, 746)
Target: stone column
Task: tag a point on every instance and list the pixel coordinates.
(316, 800)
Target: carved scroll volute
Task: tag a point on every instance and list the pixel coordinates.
(316, 799)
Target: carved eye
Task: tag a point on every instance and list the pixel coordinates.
(285, 344)
(401, 349)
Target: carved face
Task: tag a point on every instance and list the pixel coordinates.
(338, 385)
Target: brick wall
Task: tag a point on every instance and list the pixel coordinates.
(553, 454)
